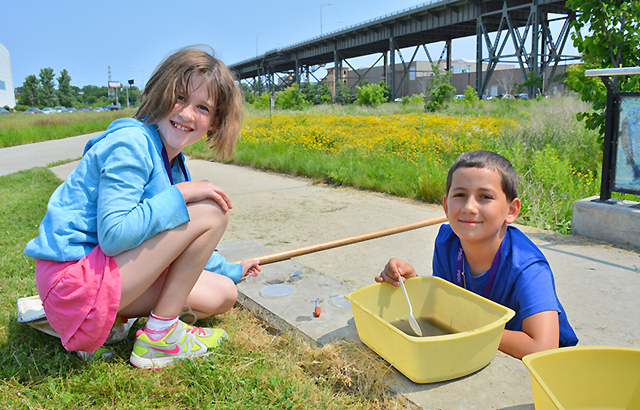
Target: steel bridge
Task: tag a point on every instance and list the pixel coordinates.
(523, 23)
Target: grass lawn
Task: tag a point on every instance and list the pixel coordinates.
(257, 369)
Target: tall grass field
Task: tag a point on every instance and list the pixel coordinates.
(403, 151)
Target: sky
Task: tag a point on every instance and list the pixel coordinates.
(132, 37)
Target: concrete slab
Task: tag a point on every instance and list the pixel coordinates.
(615, 220)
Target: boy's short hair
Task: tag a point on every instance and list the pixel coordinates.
(173, 76)
(492, 161)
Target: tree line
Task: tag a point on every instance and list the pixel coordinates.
(41, 92)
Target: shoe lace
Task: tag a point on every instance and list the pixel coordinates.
(196, 330)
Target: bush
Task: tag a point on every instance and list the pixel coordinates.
(440, 96)
(262, 102)
(470, 96)
(21, 108)
(371, 95)
(291, 99)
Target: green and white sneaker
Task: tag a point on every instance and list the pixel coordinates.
(183, 341)
(103, 353)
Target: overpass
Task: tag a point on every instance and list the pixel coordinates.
(523, 23)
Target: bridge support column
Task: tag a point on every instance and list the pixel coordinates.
(296, 77)
(392, 67)
(479, 89)
(448, 45)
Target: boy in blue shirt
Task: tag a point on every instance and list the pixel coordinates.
(479, 251)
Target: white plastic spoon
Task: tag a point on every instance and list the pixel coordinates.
(412, 320)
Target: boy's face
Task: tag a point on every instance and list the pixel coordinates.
(476, 206)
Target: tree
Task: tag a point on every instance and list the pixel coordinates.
(64, 89)
(291, 98)
(46, 92)
(370, 94)
(612, 42)
(387, 90)
(440, 91)
(29, 93)
(343, 94)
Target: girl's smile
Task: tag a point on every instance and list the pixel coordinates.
(190, 120)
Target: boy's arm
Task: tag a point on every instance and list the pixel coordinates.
(540, 331)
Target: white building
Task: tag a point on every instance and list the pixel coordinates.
(6, 79)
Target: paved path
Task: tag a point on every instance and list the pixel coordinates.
(598, 284)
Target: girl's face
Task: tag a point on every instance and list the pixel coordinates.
(190, 119)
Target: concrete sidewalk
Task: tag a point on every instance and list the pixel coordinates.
(598, 284)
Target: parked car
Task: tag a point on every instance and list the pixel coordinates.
(98, 109)
(60, 109)
(48, 111)
(111, 107)
(85, 109)
(458, 97)
(33, 110)
(4, 111)
(522, 96)
(71, 109)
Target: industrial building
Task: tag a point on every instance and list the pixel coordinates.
(7, 97)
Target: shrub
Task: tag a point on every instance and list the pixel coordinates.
(262, 102)
(371, 94)
(291, 99)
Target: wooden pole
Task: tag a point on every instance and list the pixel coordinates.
(280, 256)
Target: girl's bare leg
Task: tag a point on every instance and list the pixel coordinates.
(186, 250)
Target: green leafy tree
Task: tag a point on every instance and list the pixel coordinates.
(533, 81)
(612, 42)
(387, 90)
(291, 99)
(29, 92)
(343, 94)
(263, 101)
(65, 95)
(46, 91)
(470, 96)
(440, 90)
(370, 94)
(325, 94)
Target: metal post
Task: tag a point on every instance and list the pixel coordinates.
(448, 45)
(535, 31)
(613, 98)
(479, 57)
(392, 68)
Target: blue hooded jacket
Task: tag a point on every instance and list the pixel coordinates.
(118, 197)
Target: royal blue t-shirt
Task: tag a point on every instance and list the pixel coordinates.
(524, 282)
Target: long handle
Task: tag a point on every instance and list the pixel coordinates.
(279, 256)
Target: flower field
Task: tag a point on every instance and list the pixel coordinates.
(409, 154)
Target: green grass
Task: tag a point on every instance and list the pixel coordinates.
(558, 160)
(257, 369)
(18, 129)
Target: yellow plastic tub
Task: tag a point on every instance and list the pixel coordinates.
(479, 324)
(585, 377)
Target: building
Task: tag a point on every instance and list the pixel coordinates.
(416, 77)
(6, 79)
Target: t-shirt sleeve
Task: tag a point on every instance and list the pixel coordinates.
(441, 264)
(535, 290)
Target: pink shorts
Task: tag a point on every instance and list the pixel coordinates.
(80, 298)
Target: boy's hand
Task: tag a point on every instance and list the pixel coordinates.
(196, 191)
(393, 270)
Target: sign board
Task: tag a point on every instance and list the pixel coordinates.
(626, 153)
(114, 84)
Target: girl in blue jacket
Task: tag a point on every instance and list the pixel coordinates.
(128, 234)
